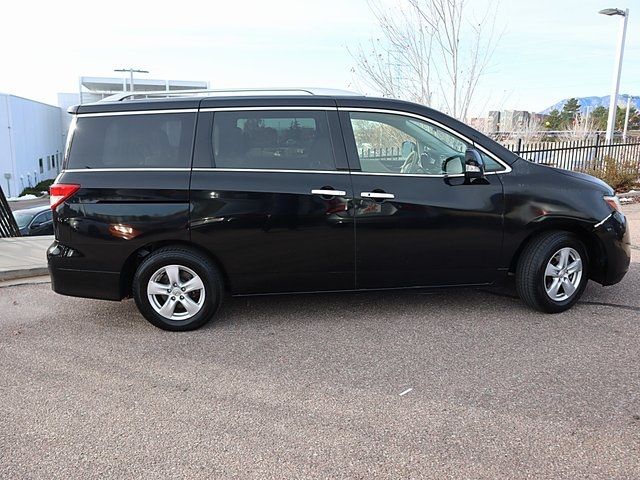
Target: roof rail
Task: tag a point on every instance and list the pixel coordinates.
(119, 97)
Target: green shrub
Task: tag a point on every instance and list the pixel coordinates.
(621, 175)
(42, 186)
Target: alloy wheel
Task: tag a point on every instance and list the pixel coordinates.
(563, 274)
(176, 292)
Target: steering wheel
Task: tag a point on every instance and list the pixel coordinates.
(410, 163)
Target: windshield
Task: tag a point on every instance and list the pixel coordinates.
(22, 218)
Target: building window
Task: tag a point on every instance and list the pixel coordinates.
(53, 161)
(41, 166)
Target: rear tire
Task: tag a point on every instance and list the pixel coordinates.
(177, 289)
(552, 272)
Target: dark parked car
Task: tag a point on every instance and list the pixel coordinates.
(35, 220)
(175, 201)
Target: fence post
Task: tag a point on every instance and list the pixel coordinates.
(595, 156)
(8, 225)
(519, 146)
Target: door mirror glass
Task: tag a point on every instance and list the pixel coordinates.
(473, 164)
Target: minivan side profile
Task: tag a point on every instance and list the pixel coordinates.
(178, 201)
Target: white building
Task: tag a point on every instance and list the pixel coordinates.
(93, 89)
(31, 143)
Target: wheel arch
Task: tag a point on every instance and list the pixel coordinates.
(135, 258)
(583, 230)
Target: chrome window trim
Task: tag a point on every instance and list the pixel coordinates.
(137, 112)
(428, 175)
(268, 170)
(507, 167)
(268, 109)
(132, 169)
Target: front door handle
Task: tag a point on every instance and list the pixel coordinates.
(378, 195)
(325, 192)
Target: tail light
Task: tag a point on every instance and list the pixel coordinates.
(59, 192)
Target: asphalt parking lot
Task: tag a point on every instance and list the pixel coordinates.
(310, 386)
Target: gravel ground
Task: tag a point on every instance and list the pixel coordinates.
(310, 386)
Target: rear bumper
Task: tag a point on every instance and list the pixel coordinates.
(613, 234)
(67, 279)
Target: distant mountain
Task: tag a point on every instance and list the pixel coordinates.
(593, 102)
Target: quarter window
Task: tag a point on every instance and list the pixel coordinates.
(395, 144)
(297, 140)
(133, 141)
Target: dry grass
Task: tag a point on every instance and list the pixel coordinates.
(621, 175)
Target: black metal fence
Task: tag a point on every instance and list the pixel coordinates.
(587, 154)
(8, 225)
(579, 154)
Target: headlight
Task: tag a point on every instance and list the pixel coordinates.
(613, 202)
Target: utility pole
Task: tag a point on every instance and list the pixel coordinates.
(131, 72)
(613, 100)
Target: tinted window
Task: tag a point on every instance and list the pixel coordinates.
(132, 141)
(22, 218)
(43, 217)
(297, 140)
(389, 143)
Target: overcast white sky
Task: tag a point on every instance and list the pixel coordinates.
(550, 49)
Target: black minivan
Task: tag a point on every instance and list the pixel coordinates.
(176, 200)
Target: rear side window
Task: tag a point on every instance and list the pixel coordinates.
(132, 141)
(297, 140)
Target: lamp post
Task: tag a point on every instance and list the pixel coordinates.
(131, 72)
(613, 100)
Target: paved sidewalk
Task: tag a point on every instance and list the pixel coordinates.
(23, 256)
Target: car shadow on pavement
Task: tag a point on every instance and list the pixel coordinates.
(420, 304)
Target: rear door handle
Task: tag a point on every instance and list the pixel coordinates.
(377, 195)
(329, 192)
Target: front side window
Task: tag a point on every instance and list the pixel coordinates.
(132, 141)
(297, 140)
(395, 144)
(42, 218)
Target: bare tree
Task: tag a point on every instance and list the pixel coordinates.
(399, 64)
(431, 51)
(582, 127)
(527, 131)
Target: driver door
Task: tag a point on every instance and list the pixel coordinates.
(418, 222)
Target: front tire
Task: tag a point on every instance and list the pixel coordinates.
(177, 289)
(552, 272)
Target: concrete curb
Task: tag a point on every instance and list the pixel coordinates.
(23, 273)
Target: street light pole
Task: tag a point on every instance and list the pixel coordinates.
(131, 71)
(613, 100)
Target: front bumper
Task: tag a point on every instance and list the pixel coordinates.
(68, 279)
(613, 233)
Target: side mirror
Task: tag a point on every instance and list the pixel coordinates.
(473, 164)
